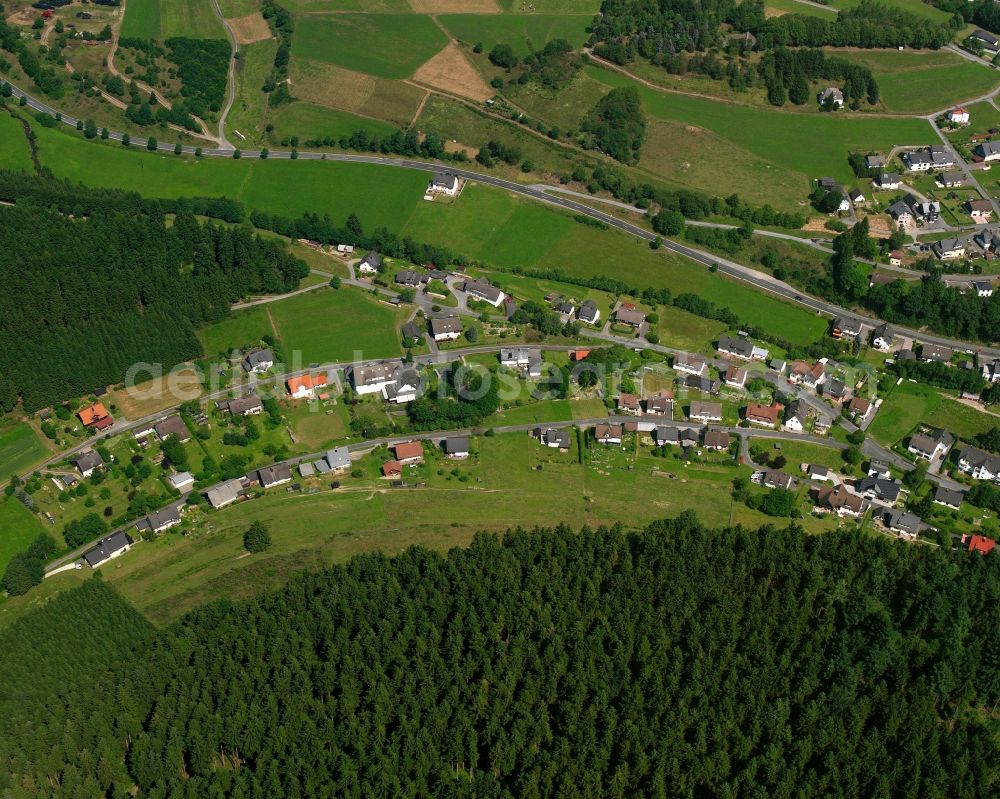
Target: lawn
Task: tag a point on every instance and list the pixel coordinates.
(18, 528)
(386, 45)
(812, 144)
(685, 331)
(162, 19)
(20, 449)
(794, 7)
(335, 326)
(921, 81)
(13, 145)
(523, 33)
(241, 329)
(381, 196)
(917, 7)
(252, 69)
(798, 452)
(910, 404)
(511, 481)
(309, 121)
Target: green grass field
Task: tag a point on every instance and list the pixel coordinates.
(794, 7)
(921, 81)
(332, 326)
(18, 528)
(20, 449)
(13, 145)
(511, 481)
(248, 111)
(983, 117)
(162, 19)
(309, 121)
(523, 33)
(381, 196)
(917, 7)
(811, 144)
(386, 45)
(910, 404)
(241, 329)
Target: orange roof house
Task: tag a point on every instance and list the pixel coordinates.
(410, 452)
(305, 385)
(981, 544)
(578, 355)
(392, 469)
(96, 416)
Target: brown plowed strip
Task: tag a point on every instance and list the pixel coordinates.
(451, 72)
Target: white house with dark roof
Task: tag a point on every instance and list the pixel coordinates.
(258, 361)
(444, 183)
(372, 378)
(107, 549)
(930, 445)
(483, 290)
(985, 41)
(888, 181)
(370, 264)
(979, 464)
(87, 461)
(987, 151)
(690, 364)
(589, 313)
(446, 328)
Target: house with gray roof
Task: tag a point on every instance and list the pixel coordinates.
(370, 264)
(589, 313)
(740, 347)
(338, 459)
(172, 426)
(901, 213)
(107, 549)
(243, 406)
(979, 464)
(409, 278)
(483, 290)
(906, 524)
(258, 360)
(446, 328)
(456, 447)
(930, 445)
(162, 520)
(987, 151)
(949, 497)
(87, 461)
(275, 475)
(225, 493)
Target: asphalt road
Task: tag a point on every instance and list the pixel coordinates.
(758, 280)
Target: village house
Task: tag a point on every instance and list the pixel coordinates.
(958, 116)
(925, 210)
(741, 348)
(304, 387)
(702, 411)
(409, 452)
(979, 544)
(627, 314)
(345, 249)
(370, 264)
(986, 151)
(107, 549)
(589, 313)
(404, 387)
(951, 179)
(795, 422)
(412, 331)
(373, 378)
(685, 437)
(878, 488)
(225, 493)
(901, 213)
(882, 337)
(409, 278)
(838, 499)
(95, 417)
(820, 473)
(181, 481)
(243, 406)
(859, 407)
(525, 359)
(276, 475)
(566, 311)
(979, 464)
(772, 478)
(948, 497)
(856, 197)
(704, 384)
(483, 290)
(608, 434)
(875, 161)
(985, 41)
(335, 460)
(392, 470)
(661, 404)
(161, 520)
(736, 376)
(778, 365)
(553, 438)
(87, 461)
(258, 361)
(446, 328)
(832, 97)
(717, 440)
(983, 288)
(991, 370)
(764, 415)
(930, 445)
(172, 426)
(979, 210)
(811, 375)
(690, 364)
(456, 447)
(936, 353)
(877, 468)
(844, 327)
(888, 181)
(444, 183)
(628, 403)
(836, 390)
(902, 522)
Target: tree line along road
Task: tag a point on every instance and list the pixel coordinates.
(758, 280)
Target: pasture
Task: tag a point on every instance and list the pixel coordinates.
(20, 449)
(18, 528)
(523, 33)
(384, 45)
(163, 19)
(511, 481)
(328, 326)
(13, 145)
(922, 81)
(910, 404)
(308, 121)
(241, 329)
(249, 107)
(811, 144)
(916, 7)
(776, 8)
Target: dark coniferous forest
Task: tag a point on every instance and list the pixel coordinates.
(91, 290)
(677, 661)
